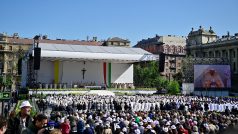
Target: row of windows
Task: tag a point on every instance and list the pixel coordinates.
(173, 49)
(2, 47)
(118, 43)
(217, 54)
(165, 49)
(167, 64)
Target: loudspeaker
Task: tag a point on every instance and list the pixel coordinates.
(161, 62)
(19, 64)
(37, 56)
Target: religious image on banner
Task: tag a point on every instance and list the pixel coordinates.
(212, 76)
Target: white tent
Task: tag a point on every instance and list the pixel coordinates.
(102, 53)
(67, 63)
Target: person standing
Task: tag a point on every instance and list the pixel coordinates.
(3, 125)
(40, 121)
(21, 121)
(65, 126)
(6, 111)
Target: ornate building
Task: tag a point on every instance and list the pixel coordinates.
(206, 44)
(13, 47)
(171, 47)
(115, 41)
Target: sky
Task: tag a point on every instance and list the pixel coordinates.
(128, 19)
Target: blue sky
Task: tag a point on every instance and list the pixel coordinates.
(128, 19)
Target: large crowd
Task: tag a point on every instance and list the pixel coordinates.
(139, 114)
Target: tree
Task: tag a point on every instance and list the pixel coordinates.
(145, 74)
(173, 87)
(178, 77)
(8, 81)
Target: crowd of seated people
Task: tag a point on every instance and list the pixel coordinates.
(142, 114)
(122, 85)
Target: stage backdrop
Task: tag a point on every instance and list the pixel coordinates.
(95, 72)
(212, 77)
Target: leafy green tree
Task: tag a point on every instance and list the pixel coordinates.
(173, 87)
(178, 77)
(187, 69)
(8, 81)
(145, 74)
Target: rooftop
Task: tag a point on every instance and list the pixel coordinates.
(117, 39)
(57, 41)
(202, 31)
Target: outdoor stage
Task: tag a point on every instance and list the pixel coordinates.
(73, 66)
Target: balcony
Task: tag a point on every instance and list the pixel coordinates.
(6, 50)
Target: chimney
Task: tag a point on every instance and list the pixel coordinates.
(87, 38)
(94, 38)
(15, 35)
(44, 37)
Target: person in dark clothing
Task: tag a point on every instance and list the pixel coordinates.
(3, 125)
(99, 128)
(88, 130)
(206, 107)
(80, 126)
(21, 121)
(5, 110)
(39, 122)
(227, 111)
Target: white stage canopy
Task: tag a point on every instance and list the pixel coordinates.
(100, 53)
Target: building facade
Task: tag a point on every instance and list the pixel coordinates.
(13, 47)
(11, 52)
(173, 49)
(115, 41)
(206, 44)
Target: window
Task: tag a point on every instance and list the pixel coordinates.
(10, 47)
(167, 70)
(9, 70)
(168, 50)
(166, 57)
(165, 49)
(178, 49)
(166, 64)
